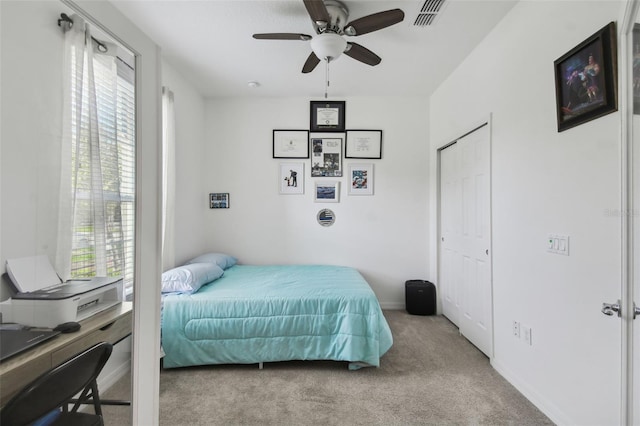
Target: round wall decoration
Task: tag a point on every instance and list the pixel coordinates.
(326, 217)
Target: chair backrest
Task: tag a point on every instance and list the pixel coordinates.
(55, 387)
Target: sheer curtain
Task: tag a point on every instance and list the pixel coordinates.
(168, 179)
(89, 164)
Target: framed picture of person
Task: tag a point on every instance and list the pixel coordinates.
(291, 178)
(326, 154)
(586, 80)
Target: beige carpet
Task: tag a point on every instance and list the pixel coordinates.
(431, 376)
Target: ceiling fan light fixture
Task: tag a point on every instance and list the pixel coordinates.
(350, 31)
(328, 45)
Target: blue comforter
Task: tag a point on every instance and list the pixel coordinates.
(276, 313)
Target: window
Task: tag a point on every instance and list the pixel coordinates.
(115, 117)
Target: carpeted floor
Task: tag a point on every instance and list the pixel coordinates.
(431, 376)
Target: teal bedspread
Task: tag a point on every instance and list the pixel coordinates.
(272, 313)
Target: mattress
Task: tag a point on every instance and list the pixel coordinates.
(255, 314)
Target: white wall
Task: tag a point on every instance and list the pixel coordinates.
(31, 108)
(545, 182)
(384, 236)
(31, 85)
(190, 165)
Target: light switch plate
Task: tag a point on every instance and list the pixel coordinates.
(558, 244)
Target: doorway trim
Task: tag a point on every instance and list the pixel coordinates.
(466, 130)
(628, 372)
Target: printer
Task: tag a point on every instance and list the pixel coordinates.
(43, 300)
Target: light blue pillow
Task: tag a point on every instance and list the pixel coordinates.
(189, 278)
(222, 260)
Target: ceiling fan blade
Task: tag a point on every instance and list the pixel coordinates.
(282, 36)
(317, 11)
(374, 22)
(311, 63)
(362, 54)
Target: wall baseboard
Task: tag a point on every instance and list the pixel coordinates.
(393, 306)
(543, 404)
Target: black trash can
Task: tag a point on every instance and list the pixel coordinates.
(420, 297)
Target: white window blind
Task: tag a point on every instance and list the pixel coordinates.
(115, 101)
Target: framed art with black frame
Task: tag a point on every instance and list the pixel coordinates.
(586, 79)
(219, 200)
(327, 116)
(363, 144)
(636, 69)
(326, 154)
(290, 143)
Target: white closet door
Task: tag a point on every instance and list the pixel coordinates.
(465, 246)
(450, 233)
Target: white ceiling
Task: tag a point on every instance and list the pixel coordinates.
(210, 43)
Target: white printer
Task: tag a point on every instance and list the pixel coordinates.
(43, 300)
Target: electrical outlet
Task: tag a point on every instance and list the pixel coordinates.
(526, 335)
(516, 329)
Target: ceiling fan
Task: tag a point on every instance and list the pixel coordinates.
(329, 19)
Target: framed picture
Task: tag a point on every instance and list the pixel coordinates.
(219, 200)
(363, 144)
(586, 80)
(636, 69)
(290, 144)
(327, 116)
(326, 155)
(360, 179)
(292, 178)
(327, 192)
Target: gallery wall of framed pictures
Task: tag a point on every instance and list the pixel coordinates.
(326, 146)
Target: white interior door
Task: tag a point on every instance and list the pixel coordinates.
(475, 321)
(465, 231)
(450, 233)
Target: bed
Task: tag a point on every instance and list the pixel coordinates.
(255, 314)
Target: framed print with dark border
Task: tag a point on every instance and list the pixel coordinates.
(327, 192)
(360, 179)
(326, 155)
(219, 200)
(586, 79)
(363, 144)
(636, 69)
(290, 143)
(327, 116)
(292, 178)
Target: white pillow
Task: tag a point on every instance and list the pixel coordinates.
(189, 278)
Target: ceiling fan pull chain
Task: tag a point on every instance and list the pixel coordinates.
(326, 88)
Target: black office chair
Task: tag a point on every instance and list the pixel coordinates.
(56, 389)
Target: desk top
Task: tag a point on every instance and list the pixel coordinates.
(89, 325)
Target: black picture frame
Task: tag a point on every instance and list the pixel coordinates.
(327, 116)
(636, 69)
(219, 200)
(290, 143)
(366, 144)
(326, 154)
(586, 79)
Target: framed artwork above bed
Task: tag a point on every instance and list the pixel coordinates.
(292, 178)
(326, 154)
(290, 144)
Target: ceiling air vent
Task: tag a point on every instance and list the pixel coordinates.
(428, 13)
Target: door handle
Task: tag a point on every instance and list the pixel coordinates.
(609, 308)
